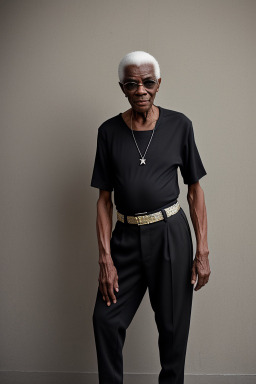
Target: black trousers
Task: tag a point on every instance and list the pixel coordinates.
(157, 256)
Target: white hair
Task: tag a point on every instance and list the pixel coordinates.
(137, 58)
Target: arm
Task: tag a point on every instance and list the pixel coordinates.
(108, 279)
(197, 208)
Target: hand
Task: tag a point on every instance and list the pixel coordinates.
(201, 268)
(108, 280)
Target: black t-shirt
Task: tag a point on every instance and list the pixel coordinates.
(146, 187)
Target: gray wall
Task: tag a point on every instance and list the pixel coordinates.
(58, 84)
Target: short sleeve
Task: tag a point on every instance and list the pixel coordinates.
(101, 175)
(192, 168)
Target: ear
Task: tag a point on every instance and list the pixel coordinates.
(159, 82)
(121, 86)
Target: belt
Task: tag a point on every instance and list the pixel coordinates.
(151, 217)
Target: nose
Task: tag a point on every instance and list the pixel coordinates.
(141, 90)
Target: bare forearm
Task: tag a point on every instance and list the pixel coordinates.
(108, 277)
(198, 216)
(104, 228)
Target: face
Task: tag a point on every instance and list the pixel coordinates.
(142, 99)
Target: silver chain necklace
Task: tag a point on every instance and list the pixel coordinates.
(142, 159)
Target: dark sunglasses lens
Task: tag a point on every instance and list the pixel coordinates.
(149, 84)
(131, 86)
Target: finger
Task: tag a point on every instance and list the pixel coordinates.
(105, 291)
(199, 283)
(193, 275)
(198, 286)
(206, 279)
(116, 284)
(111, 292)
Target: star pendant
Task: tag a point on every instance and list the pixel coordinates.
(142, 161)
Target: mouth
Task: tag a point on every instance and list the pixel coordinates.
(141, 102)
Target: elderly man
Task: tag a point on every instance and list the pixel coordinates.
(138, 153)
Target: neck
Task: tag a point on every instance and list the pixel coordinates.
(143, 117)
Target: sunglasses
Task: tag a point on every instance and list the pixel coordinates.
(133, 86)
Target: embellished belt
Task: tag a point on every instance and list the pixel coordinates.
(151, 217)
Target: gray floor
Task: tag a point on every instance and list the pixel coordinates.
(194, 379)
(86, 378)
